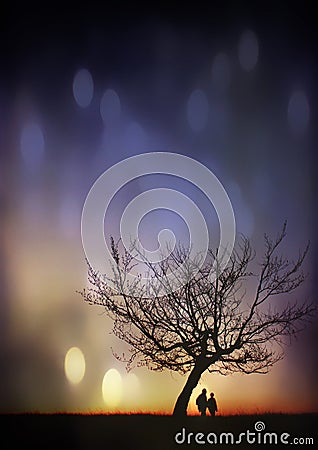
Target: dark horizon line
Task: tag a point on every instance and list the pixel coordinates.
(160, 414)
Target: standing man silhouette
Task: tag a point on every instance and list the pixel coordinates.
(201, 402)
(212, 405)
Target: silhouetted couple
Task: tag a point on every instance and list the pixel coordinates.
(203, 403)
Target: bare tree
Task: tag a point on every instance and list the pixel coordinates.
(225, 324)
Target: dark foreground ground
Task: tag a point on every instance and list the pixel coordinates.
(75, 431)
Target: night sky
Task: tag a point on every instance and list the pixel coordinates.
(85, 86)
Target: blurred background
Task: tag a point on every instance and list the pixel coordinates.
(84, 86)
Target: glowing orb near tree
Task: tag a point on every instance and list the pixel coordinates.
(112, 388)
(74, 365)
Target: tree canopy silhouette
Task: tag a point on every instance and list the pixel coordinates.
(225, 324)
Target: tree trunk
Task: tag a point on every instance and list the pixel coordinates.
(180, 408)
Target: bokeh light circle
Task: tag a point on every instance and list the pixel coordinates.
(197, 110)
(83, 88)
(74, 365)
(112, 180)
(112, 388)
(110, 107)
(298, 112)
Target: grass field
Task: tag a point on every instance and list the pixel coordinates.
(155, 432)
